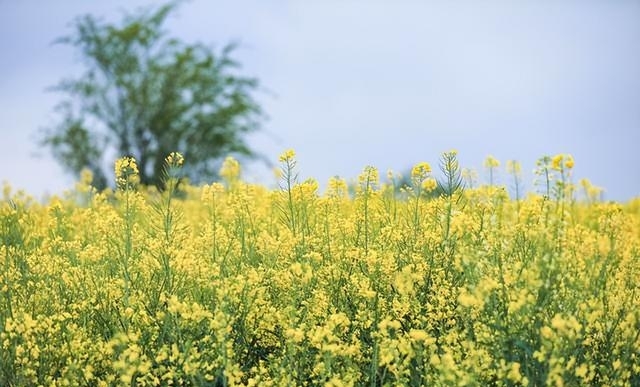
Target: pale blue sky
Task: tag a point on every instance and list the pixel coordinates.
(383, 83)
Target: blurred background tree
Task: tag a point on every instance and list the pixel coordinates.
(145, 94)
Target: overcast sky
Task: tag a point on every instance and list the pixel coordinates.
(383, 83)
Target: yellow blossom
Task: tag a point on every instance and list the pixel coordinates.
(230, 169)
(287, 156)
(556, 162)
(420, 171)
(569, 163)
(175, 159)
(491, 162)
(429, 184)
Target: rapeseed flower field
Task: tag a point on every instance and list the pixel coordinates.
(430, 280)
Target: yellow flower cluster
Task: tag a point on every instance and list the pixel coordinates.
(126, 171)
(230, 170)
(175, 159)
(560, 161)
(287, 155)
(491, 162)
(238, 284)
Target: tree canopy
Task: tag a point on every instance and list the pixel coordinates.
(145, 94)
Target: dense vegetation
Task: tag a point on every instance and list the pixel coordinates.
(437, 283)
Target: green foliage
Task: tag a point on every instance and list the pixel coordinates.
(145, 94)
(452, 183)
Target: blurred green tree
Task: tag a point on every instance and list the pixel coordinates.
(145, 94)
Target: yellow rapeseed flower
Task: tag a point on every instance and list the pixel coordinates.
(513, 167)
(175, 159)
(514, 372)
(429, 184)
(126, 166)
(287, 155)
(581, 371)
(126, 171)
(491, 162)
(420, 171)
(86, 176)
(569, 162)
(230, 169)
(556, 162)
